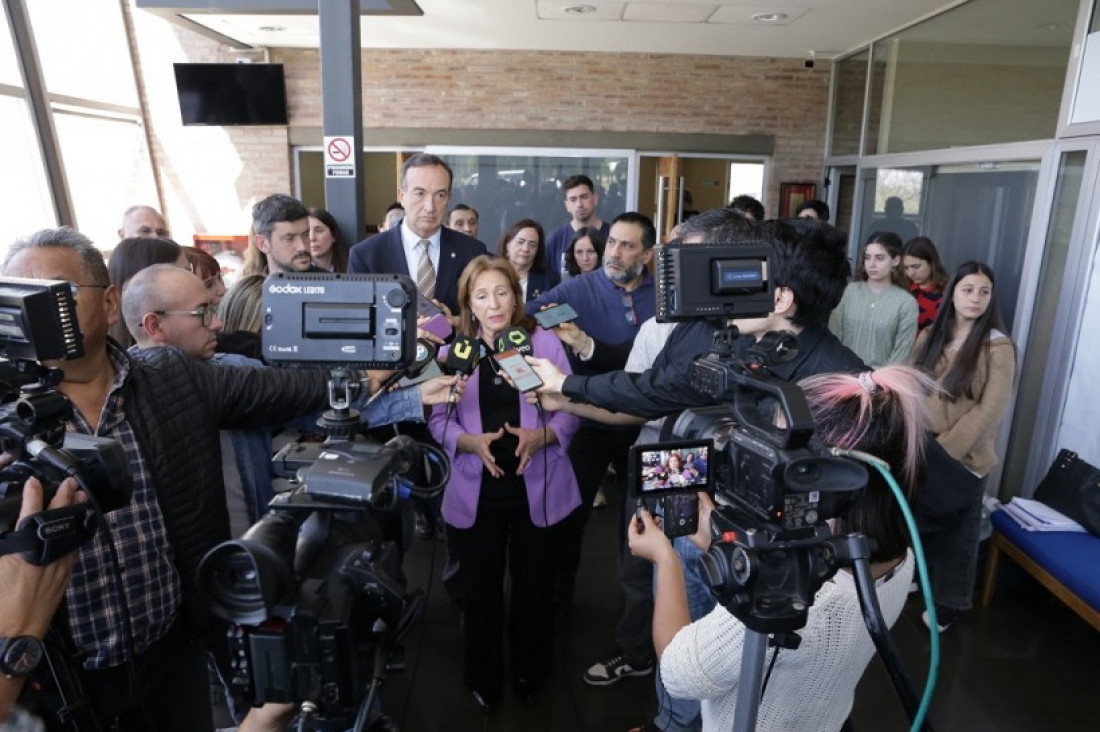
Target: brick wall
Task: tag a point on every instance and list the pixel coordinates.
(210, 176)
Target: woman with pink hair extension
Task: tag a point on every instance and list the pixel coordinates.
(877, 412)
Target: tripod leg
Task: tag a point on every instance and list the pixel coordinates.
(752, 676)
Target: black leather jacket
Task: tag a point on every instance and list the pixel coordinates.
(176, 407)
(666, 388)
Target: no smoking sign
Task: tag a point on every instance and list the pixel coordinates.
(339, 157)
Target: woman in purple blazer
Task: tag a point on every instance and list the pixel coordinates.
(510, 481)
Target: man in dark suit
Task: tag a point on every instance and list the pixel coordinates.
(420, 247)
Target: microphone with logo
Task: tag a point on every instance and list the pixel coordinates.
(515, 341)
(461, 359)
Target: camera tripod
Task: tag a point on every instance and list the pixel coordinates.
(821, 557)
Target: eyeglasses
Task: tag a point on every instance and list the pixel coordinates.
(631, 316)
(205, 312)
(74, 287)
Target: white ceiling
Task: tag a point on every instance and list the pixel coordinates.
(714, 27)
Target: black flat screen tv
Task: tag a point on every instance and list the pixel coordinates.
(231, 94)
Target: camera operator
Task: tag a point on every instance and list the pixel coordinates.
(810, 270)
(28, 597)
(165, 410)
(165, 305)
(812, 687)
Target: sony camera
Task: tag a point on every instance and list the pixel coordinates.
(38, 323)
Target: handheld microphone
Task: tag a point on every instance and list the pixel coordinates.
(461, 359)
(425, 353)
(515, 339)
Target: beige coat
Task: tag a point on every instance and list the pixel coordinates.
(967, 428)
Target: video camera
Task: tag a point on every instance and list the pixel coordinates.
(775, 486)
(313, 591)
(38, 323)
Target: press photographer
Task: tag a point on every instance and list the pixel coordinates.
(812, 686)
(165, 410)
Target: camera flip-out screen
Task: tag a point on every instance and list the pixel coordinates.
(357, 320)
(714, 281)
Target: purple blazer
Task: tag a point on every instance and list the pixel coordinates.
(556, 480)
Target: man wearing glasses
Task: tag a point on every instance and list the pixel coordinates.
(611, 303)
(166, 410)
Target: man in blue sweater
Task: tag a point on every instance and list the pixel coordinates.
(612, 303)
(581, 200)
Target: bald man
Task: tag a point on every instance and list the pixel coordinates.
(143, 221)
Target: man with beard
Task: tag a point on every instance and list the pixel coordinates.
(281, 226)
(611, 303)
(581, 200)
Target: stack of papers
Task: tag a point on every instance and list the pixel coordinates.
(1036, 516)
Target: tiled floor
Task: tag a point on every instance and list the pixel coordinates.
(1025, 664)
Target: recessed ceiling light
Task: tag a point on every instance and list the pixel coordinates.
(770, 17)
(272, 28)
(579, 9)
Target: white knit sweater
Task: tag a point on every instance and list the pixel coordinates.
(810, 688)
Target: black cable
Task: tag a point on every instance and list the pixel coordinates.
(768, 673)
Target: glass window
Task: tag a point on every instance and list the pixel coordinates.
(746, 179)
(1052, 274)
(107, 167)
(974, 75)
(28, 205)
(980, 212)
(505, 188)
(851, 83)
(83, 50)
(9, 67)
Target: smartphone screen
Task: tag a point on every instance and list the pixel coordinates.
(519, 371)
(551, 317)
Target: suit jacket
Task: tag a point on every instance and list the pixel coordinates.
(552, 491)
(384, 254)
(540, 282)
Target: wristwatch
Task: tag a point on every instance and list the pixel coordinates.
(19, 656)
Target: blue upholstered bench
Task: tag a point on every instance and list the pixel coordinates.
(1066, 563)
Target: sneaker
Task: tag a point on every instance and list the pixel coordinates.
(945, 618)
(913, 588)
(608, 672)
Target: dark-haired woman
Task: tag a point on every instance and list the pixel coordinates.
(969, 354)
(926, 276)
(585, 251)
(207, 269)
(877, 318)
(524, 246)
(511, 481)
(131, 256)
(328, 249)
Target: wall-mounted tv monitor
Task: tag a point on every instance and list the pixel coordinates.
(231, 94)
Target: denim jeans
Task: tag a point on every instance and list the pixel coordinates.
(951, 542)
(683, 715)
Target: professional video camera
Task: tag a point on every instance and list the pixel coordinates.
(313, 591)
(775, 486)
(38, 323)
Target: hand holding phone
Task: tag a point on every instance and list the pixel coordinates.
(523, 377)
(555, 315)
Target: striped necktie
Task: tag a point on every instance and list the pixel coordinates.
(425, 272)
